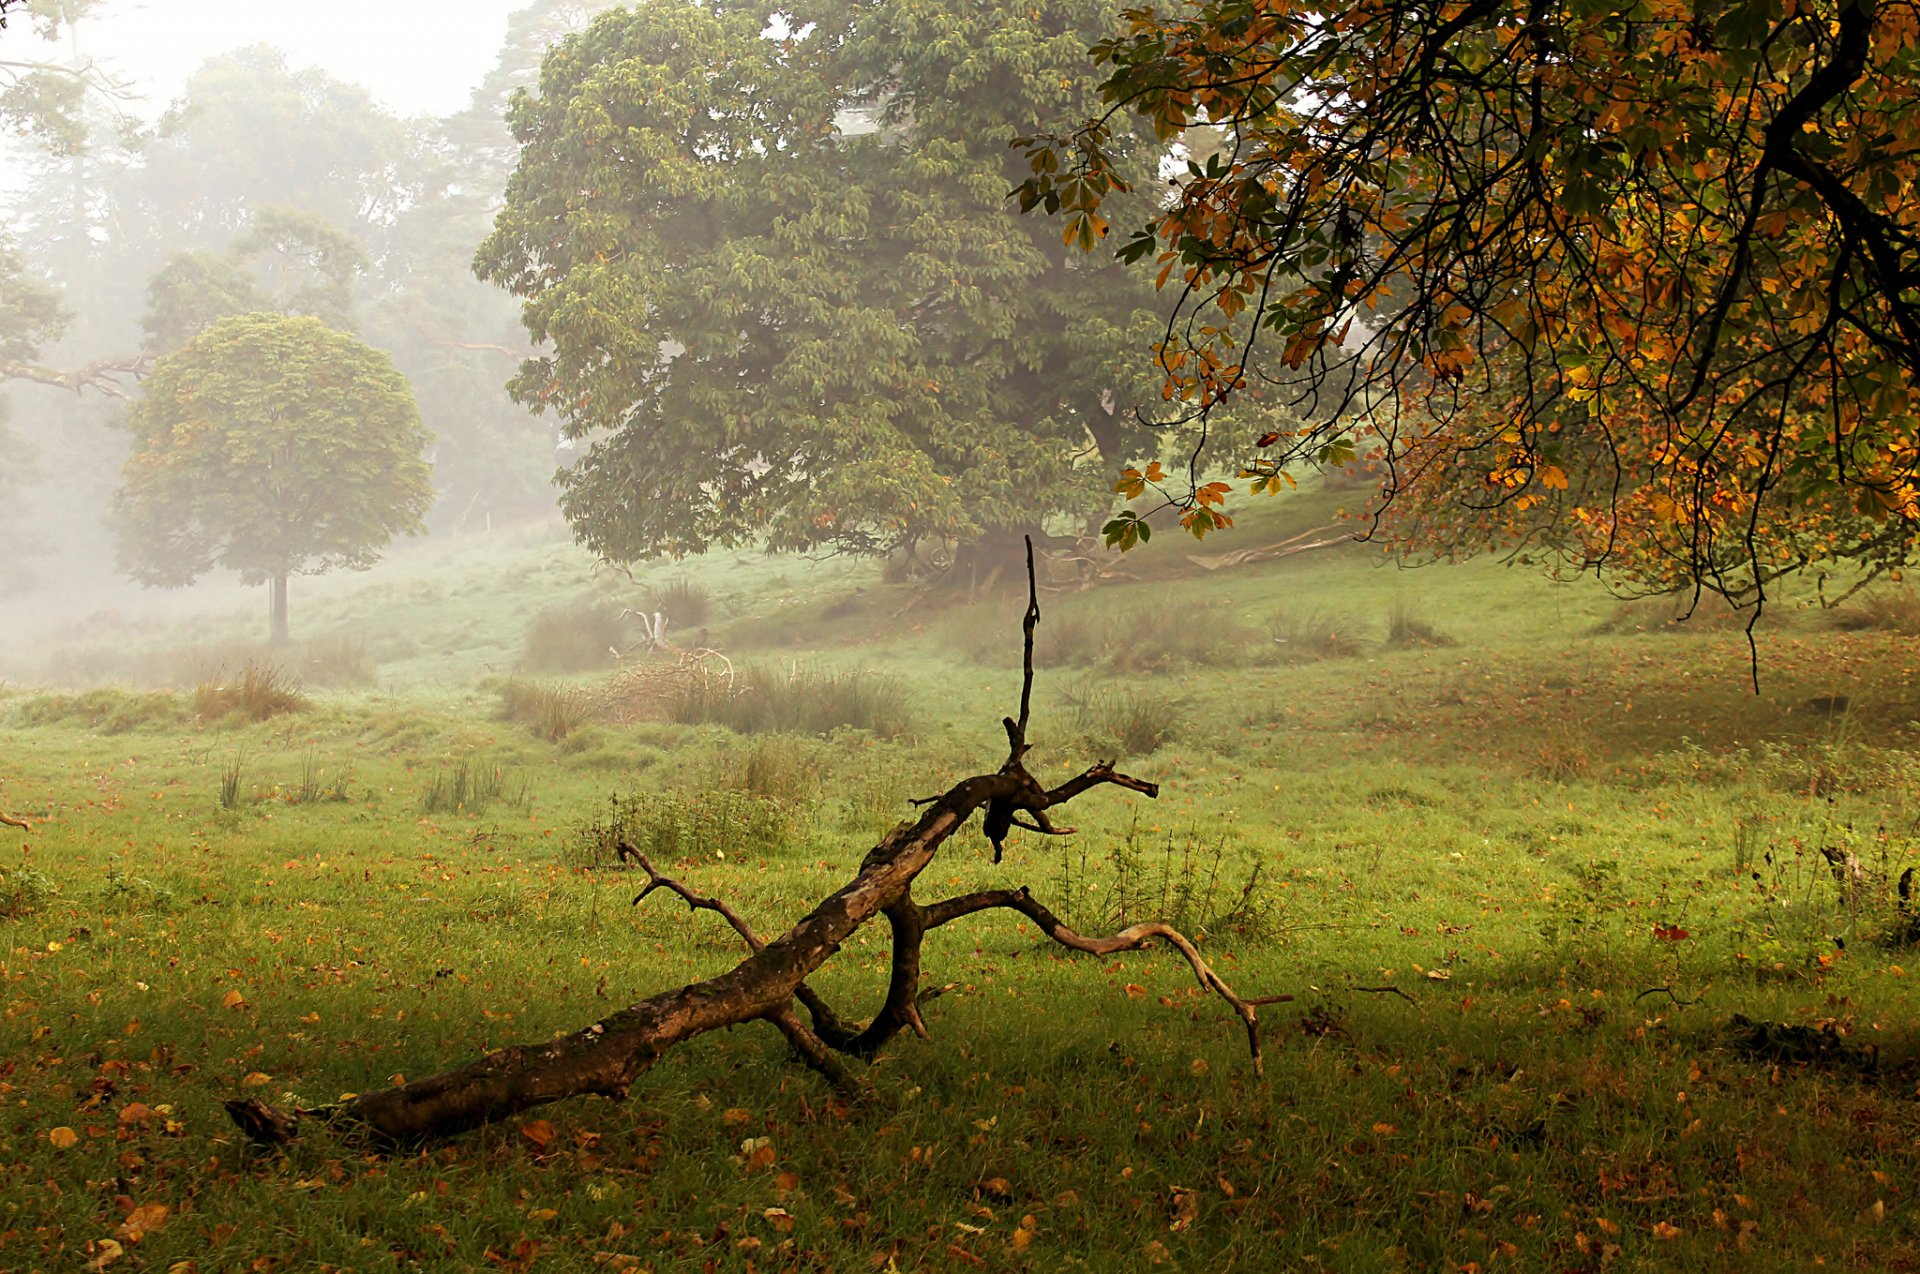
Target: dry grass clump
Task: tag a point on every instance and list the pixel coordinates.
(258, 692)
(578, 637)
(643, 689)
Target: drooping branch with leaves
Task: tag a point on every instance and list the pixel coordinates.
(607, 1057)
(1632, 282)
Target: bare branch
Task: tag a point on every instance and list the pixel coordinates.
(1132, 938)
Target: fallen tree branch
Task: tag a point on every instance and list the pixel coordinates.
(20, 823)
(607, 1057)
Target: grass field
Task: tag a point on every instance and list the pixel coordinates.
(1598, 955)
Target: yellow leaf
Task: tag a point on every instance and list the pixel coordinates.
(105, 1253)
(232, 1000)
(539, 1134)
(63, 1137)
(256, 1079)
(142, 1221)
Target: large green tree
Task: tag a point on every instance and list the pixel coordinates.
(783, 293)
(273, 446)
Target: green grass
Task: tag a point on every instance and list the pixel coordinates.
(1507, 811)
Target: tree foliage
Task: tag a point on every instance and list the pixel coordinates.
(1632, 281)
(783, 293)
(272, 446)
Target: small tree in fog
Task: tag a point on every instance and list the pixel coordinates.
(273, 446)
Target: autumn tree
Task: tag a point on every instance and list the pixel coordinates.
(273, 446)
(781, 291)
(1635, 283)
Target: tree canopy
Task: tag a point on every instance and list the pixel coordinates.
(1634, 282)
(272, 446)
(784, 296)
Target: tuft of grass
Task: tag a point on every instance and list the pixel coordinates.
(715, 824)
(684, 603)
(258, 692)
(470, 785)
(134, 895)
(230, 776)
(24, 891)
(552, 712)
(577, 637)
(795, 699)
(1118, 721)
(1305, 634)
(1090, 631)
(1407, 629)
(777, 768)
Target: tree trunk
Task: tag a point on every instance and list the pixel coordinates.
(279, 590)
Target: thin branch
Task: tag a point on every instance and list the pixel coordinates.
(1132, 938)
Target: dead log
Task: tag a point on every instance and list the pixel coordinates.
(607, 1057)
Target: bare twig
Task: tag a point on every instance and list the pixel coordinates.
(1668, 992)
(1132, 938)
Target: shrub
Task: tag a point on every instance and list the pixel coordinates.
(551, 712)
(797, 699)
(574, 638)
(260, 691)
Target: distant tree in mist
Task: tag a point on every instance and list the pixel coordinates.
(784, 297)
(288, 261)
(274, 446)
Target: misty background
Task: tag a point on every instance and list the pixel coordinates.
(374, 131)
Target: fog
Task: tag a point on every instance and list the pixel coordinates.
(196, 118)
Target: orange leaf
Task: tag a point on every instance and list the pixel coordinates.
(539, 1135)
(142, 1221)
(63, 1137)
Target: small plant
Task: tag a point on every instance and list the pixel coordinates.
(470, 785)
(230, 775)
(314, 787)
(574, 638)
(24, 891)
(1184, 881)
(258, 692)
(132, 895)
(551, 712)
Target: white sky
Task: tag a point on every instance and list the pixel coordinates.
(416, 56)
